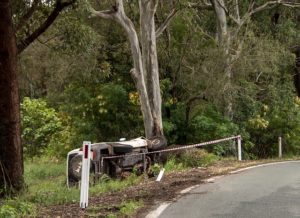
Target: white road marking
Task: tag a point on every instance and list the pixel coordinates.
(262, 165)
(188, 189)
(155, 213)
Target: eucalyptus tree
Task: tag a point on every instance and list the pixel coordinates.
(232, 20)
(145, 71)
(11, 163)
(22, 22)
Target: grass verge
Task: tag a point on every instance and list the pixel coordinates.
(46, 184)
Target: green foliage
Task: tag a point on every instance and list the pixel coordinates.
(41, 169)
(62, 142)
(39, 124)
(207, 124)
(173, 164)
(155, 168)
(46, 181)
(76, 36)
(274, 121)
(81, 67)
(198, 158)
(129, 207)
(175, 126)
(46, 185)
(14, 208)
(188, 159)
(102, 113)
(112, 185)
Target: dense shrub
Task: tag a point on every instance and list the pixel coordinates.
(198, 158)
(102, 113)
(274, 121)
(39, 123)
(188, 159)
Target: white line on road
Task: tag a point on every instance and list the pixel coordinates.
(155, 213)
(262, 165)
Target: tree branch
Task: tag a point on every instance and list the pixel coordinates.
(117, 12)
(266, 6)
(59, 6)
(167, 21)
(236, 20)
(237, 11)
(272, 4)
(107, 14)
(200, 6)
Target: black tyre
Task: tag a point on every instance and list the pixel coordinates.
(157, 143)
(75, 165)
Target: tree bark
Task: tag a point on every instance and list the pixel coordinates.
(145, 72)
(296, 51)
(11, 155)
(223, 39)
(150, 62)
(138, 74)
(222, 30)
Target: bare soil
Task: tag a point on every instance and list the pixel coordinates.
(150, 192)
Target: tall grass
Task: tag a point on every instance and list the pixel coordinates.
(45, 181)
(190, 158)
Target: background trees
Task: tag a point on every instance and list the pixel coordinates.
(222, 70)
(145, 71)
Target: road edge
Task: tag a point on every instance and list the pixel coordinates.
(156, 212)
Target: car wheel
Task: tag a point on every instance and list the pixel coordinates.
(75, 166)
(157, 142)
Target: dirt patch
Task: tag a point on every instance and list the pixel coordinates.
(150, 192)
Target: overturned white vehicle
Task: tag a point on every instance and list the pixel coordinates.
(115, 158)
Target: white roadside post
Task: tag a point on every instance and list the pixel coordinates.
(160, 175)
(239, 141)
(85, 174)
(279, 147)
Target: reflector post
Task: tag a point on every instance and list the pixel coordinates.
(85, 174)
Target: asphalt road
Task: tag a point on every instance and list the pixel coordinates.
(268, 191)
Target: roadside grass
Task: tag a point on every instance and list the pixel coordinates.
(129, 207)
(124, 209)
(11, 208)
(114, 185)
(45, 181)
(189, 159)
(45, 185)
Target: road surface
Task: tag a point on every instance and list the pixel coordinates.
(268, 191)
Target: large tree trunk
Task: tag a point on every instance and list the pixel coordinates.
(145, 72)
(150, 63)
(138, 75)
(223, 39)
(222, 30)
(296, 51)
(11, 161)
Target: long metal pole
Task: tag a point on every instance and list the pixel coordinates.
(239, 139)
(279, 147)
